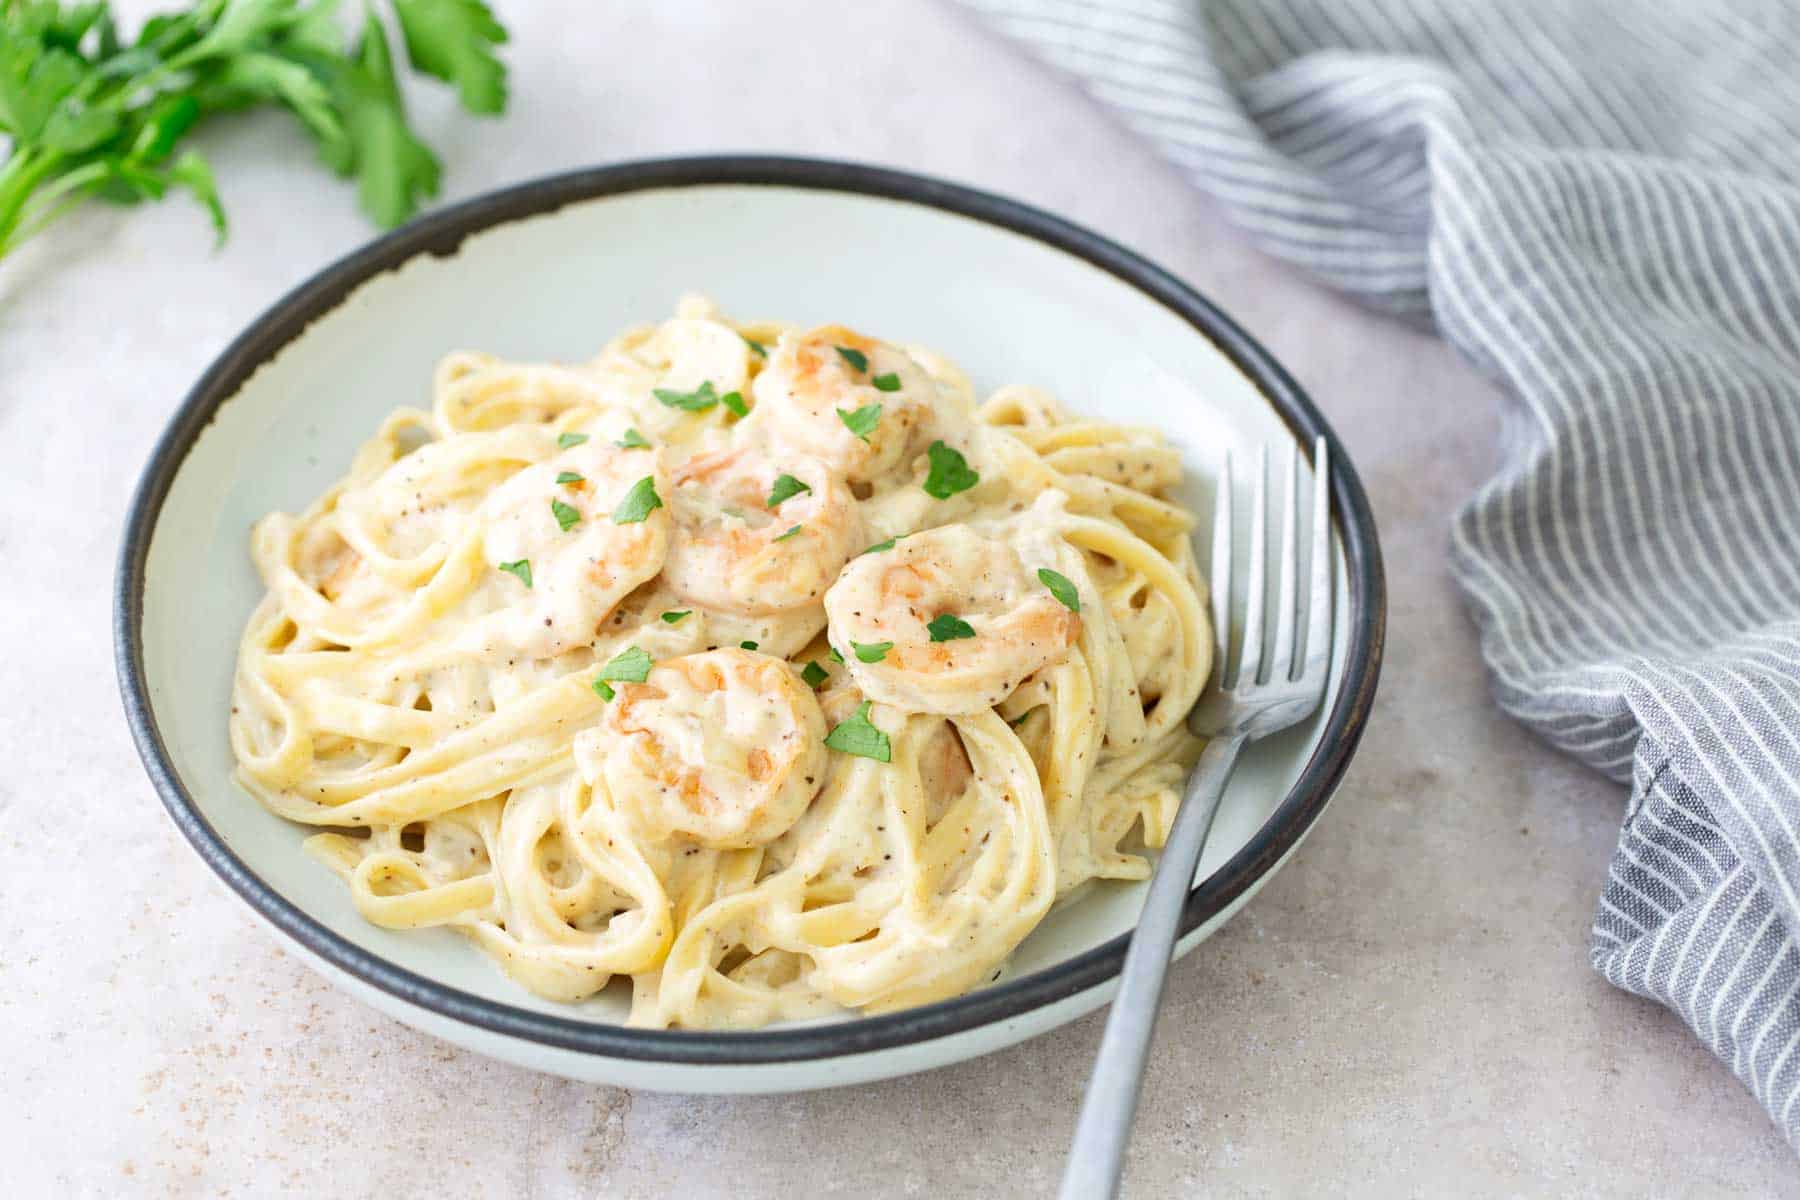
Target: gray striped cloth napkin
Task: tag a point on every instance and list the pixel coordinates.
(1598, 205)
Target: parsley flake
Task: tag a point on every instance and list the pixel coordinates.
(698, 400)
(946, 628)
(790, 533)
(522, 569)
(633, 440)
(567, 515)
(568, 441)
(604, 689)
(949, 472)
(856, 358)
(871, 652)
(886, 383)
(1061, 588)
(862, 421)
(746, 645)
(568, 477)
(832, 653)
(860, 737)
(814, 674)
(735, 402)
(881, 547)
(761, 350)
(638, 503)
(672, 616)
(628, 666)
(786, 487)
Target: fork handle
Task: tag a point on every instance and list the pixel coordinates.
(1098, 1153)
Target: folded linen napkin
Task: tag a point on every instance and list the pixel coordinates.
(1599, 206)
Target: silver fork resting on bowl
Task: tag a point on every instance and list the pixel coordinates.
(1243, 706)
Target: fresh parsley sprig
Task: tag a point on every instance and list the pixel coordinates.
(90, 115)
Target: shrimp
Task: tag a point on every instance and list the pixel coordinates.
(735, 552)
(815, 382)
(726, 747)
(889, 619)
(562, 557)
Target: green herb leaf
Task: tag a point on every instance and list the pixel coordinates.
(454, 40)
(886, 383)
(522, 569)
(790, 533)
(672, 616)
(604, 689)
(633, 440)
(395, 171)
(946, 628)
(746, 645)
(761, 350)
(814, 674)
(786, 487)
(1061, 588)
(871, 652)
(735, 402)
(628, 666)
(638, 503)
(862, 421)
(566, 515)
(568, 441)
(833, 655)
(949, 472)
(881, 547)
(856, 358)
(564, 477)
(859, 736)
(1021, 718)
(698, 400)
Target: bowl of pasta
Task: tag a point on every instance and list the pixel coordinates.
(717, 624)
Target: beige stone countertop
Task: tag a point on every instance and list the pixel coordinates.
(1407, 1009)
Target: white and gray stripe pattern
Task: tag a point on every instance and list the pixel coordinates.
(1598, 205)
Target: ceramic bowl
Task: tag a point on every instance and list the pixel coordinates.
(550, 270)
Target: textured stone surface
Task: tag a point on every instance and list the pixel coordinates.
(1407, 1009)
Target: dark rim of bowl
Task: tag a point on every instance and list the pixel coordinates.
(441, 233)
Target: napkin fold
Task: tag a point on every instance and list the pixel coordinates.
(1598, 205)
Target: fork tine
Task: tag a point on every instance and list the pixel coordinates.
(1281, 665)
(1318, 603)
(1221, 571)
(1250, 658)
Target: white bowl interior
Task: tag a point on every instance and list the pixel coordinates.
(1007, 308)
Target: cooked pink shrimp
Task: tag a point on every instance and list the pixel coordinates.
(757, 536)
(856, 403)
(948, 621)
(726, 747)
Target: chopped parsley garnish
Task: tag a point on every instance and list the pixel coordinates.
(735, 402)
(568, 441)
(790, 533)
(604, 689)
(672, 616)
(567, 515)
(814, 674)
(522, 569)
(698, 400)
(633, 440)
(856, 358)
(832, 653)
(860, 737)
(946, 628)
(949, 473)
(862, 421)
(761, 350)
(638, 503)
(871, 652)
(628, 666)
(1021, 718)
(1061, 588)
(746, 645)
(568, 477)
(886, 383)
(881, 547)
(786, 487)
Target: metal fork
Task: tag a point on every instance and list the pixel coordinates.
(1243, 706)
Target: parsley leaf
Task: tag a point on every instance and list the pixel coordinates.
(871, 652)
(638, 503)
(522, 569)
(454, 40)
(814, 674)
(604, 689)
(886, 383)
(786, 488)
(833, 655)
(628, 666)
(698, 400)
(861, 422)
(672, 616)
(859, 736)
(1061, 588)
(881, 547)
(633, 440)
(567, 515)
(746, 645)
(856, 358)
(762, 351)
(735, 402)
(949, 472)
(946, 628)
(568, 441)
(564, 477)
(790, 533)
